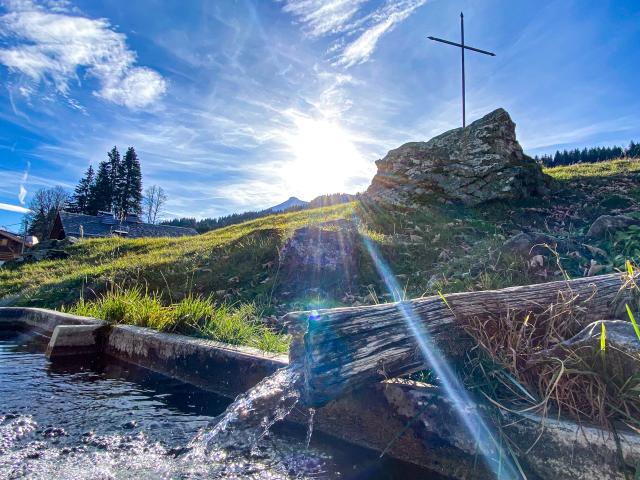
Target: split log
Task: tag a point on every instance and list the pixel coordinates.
(344, 348)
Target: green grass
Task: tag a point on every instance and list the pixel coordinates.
(195, 316)
(590, 170)
(172, 267)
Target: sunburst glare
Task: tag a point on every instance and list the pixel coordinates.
(326, 158)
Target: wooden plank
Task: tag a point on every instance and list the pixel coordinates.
(342, 349)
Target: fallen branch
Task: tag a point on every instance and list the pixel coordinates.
(344, 348)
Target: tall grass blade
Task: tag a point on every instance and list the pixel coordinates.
(633, 321)
(444, 300)
(603, 338)
(629, 268)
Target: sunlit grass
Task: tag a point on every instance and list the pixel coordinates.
(172, 266)
(195, 316)
(599, 169)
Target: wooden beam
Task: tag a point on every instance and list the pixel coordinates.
(344, 348)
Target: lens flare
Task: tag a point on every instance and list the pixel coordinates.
(491, 450)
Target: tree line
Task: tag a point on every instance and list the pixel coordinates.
(115, 187)
(208, 224)
(589, 155)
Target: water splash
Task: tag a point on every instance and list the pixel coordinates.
(249, 418)
(312, 413)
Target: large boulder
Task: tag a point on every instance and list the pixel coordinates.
(472, 165)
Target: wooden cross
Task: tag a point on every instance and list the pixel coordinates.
(462, 47)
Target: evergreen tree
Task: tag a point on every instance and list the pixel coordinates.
(115, 171)
(634, 150)
(101, 198)
(130, 178)
(79, 202)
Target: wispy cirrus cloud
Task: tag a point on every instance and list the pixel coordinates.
(52, 45)
(322, 17)
(359, 24)
(22, 193)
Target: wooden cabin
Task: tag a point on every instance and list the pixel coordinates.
(12, 245)
(105, 224)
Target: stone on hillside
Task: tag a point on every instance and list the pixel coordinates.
(472, 165)
(47, 250)
(609, 223)
(528, 244)
(622, 346)
(323, 256)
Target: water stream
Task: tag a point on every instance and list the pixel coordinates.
(312, 414)
(248, 419)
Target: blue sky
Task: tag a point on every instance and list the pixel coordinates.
(237, 105)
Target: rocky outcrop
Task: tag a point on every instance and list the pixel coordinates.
(472, 165)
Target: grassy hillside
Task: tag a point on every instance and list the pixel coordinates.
(174, 267)
(440, 247)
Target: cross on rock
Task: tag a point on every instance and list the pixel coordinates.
(462, 47)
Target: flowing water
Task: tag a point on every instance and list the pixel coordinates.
(312, 414)
(110, 420)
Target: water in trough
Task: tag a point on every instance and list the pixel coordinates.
(111, 420)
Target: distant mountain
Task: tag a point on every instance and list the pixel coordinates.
(293, 202)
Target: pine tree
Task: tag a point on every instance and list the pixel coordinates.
(130, 177)
(115, 169)
(79, 202)
(101, 198)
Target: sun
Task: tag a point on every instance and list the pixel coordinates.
(324, 159)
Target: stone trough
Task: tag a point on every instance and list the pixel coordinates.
(407, 420)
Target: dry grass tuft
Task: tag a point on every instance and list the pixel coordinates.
(523, 368)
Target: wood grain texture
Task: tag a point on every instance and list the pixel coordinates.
(344, 348)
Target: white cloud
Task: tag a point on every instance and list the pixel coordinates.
(22, 195)
(13, 208)
(55, 46)
(324, 16)
(347, 17)
(361, 49)
(140, 87)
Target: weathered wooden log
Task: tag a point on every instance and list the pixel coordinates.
(341, 349)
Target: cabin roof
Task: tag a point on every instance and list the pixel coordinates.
(93, 226)
(28, 242)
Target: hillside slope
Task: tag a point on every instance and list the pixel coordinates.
(441, 247)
